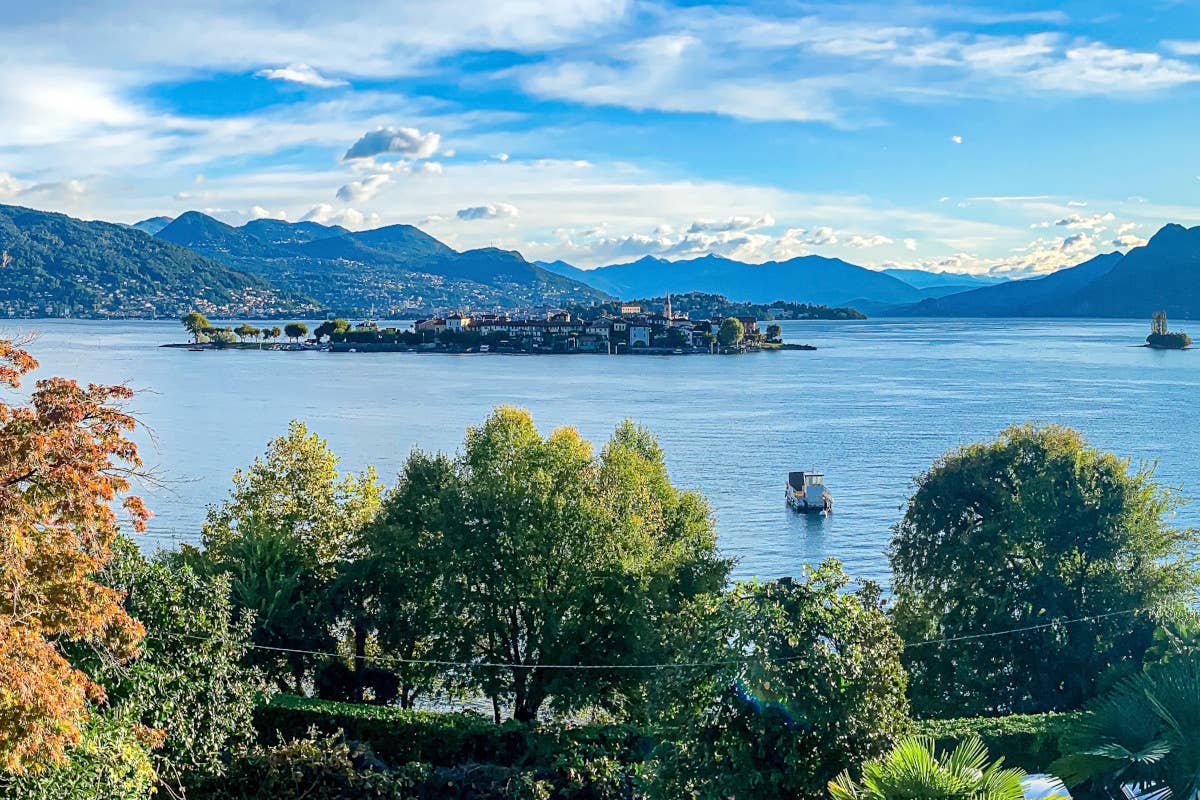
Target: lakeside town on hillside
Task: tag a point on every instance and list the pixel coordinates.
(627, 328)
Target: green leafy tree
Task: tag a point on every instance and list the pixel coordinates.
(196, 324)
(914, 769)
(223, 336)
(732, 332)
(774, 332)
(1144, 734)
(280, 535)
(1014, 536)
(330, 327)
(245, 331)
(391, 591)
(189, 683)
(295, 330)
(809, 683)
(548, 554)
(677, 337)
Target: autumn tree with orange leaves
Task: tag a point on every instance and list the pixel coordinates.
(65, 458)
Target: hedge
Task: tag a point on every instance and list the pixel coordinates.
(1030, 741)
(449, 739)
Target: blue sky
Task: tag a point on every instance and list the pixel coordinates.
(1014, 137)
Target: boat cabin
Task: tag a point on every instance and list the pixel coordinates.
(806, 491)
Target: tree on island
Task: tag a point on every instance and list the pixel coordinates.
(774, 332)
(245, 331)
(276, 331)
(1015, 536)
(295, 330)
(330, 327)
(1163, 338)
(732, 332)
(196, 324)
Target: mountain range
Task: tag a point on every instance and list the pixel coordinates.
(387, 270)
(60, 266)
(808, 279)
(1162, 275)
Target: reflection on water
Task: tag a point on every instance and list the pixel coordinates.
(872, 407)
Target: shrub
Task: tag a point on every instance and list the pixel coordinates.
(112, 761)
(1144, 732)
(1029, 741)
(916, 768)
(447, 740)
(315, 768)
(811, 685)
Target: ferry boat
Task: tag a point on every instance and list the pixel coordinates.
(805, 492)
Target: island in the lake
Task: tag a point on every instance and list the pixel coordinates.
(628, 328)
(1161, 338)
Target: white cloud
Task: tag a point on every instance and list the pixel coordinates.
(405, 141)
(300, 73)
(910, 245)
(1094, 222)
(502, 156)
(10, 186)
(1127, 240)
(431, 168)
(869, 240)
(1183, 47)
(489, 211)
(956, 139)
(258, 212)
(353, 219)
(731, 224)
(363, 190)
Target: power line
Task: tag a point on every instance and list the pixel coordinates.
(388, 659)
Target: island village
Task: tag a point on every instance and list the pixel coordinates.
(633, 329)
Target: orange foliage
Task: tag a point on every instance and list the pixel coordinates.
(64, 459)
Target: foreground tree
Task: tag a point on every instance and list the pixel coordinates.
(807, 683)
(543, 554)
(1144, 734)
(774, 332)
(914, 769)
(280, 536)
(65, 459)
(188, 684)
(1016, 536)
(391, 591)
(196, 324)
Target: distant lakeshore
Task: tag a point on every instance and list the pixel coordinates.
(623, 330)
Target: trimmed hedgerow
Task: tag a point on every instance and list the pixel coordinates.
(1030, 741)
(449, 739)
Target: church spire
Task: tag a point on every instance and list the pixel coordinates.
(667, 308)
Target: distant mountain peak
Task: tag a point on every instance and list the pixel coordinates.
(152, 225)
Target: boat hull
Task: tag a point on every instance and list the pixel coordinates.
(802, 506)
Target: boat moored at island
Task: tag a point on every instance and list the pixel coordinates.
(805, 492)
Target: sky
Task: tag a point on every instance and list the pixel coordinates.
(1008, 138)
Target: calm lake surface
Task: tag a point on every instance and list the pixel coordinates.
(873, 407)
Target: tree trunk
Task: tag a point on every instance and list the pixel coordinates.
(360, 659)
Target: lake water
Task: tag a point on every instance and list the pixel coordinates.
(873, 407)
